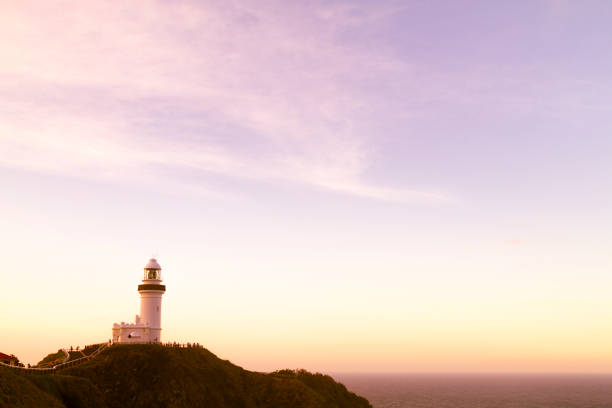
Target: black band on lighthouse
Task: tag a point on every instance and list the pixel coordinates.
(152, 287)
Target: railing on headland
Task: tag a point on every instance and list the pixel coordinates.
(101, 346)
(52, 370)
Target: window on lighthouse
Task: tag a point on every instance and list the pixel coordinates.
(152, 275)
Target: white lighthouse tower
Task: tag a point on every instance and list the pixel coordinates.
(147, 325)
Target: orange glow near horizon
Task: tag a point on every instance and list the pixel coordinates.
(324, 329)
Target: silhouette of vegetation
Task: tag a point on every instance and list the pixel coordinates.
(90, 349)
(17, 391)
(75, 355)
(52, 359)
(150, 375)
(73, 392)
(333, 393)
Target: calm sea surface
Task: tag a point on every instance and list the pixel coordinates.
(481, 391)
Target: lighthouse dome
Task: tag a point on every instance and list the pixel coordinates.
(152, 264)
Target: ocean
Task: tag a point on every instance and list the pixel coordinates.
(482, 391)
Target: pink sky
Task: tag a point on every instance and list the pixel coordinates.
(334, 185)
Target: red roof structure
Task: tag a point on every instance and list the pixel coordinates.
(6, 357)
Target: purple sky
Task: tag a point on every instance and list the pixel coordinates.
(314, 151)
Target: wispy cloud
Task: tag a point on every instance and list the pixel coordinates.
(106, 91)
(265, 92)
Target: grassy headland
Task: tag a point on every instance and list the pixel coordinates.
(157, 376)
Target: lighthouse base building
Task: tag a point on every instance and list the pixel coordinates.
(147, 326)
(136, 332)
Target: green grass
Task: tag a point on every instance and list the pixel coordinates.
(52, 359)
(17, 391)
(75, 355)
(157, 376)
(87, 350)
(332, 392)
(73, 392)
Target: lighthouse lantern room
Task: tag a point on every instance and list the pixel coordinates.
(147, 326)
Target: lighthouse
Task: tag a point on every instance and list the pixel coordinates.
(147, 326)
